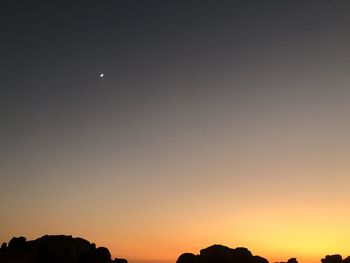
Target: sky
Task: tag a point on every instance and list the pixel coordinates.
(216, 122)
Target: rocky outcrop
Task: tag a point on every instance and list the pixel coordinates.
(120, 260)
(66, 249)
(188, 258)
(54, 249)
(333, 259)
(291, 260)
(221, 254)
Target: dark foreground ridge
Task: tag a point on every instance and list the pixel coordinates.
(66, 249)
(222, 254)
(54, 249)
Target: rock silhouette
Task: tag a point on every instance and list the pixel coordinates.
(221, 254)
(335, 259)
(66, 249)
(188, 258)
(54, 249)
(291, 260)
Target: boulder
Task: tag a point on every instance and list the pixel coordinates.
(332, 259)
(17, 242)
(292, 260)
(103, 255)
(258, 259)
(187, 258)
(120, 260)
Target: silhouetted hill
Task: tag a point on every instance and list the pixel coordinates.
(66, 249)
(221, 254)
(335, 259)
(54, 249)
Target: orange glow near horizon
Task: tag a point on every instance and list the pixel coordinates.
(190, 209)
(276, 232)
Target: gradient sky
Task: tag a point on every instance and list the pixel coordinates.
(216, 122)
